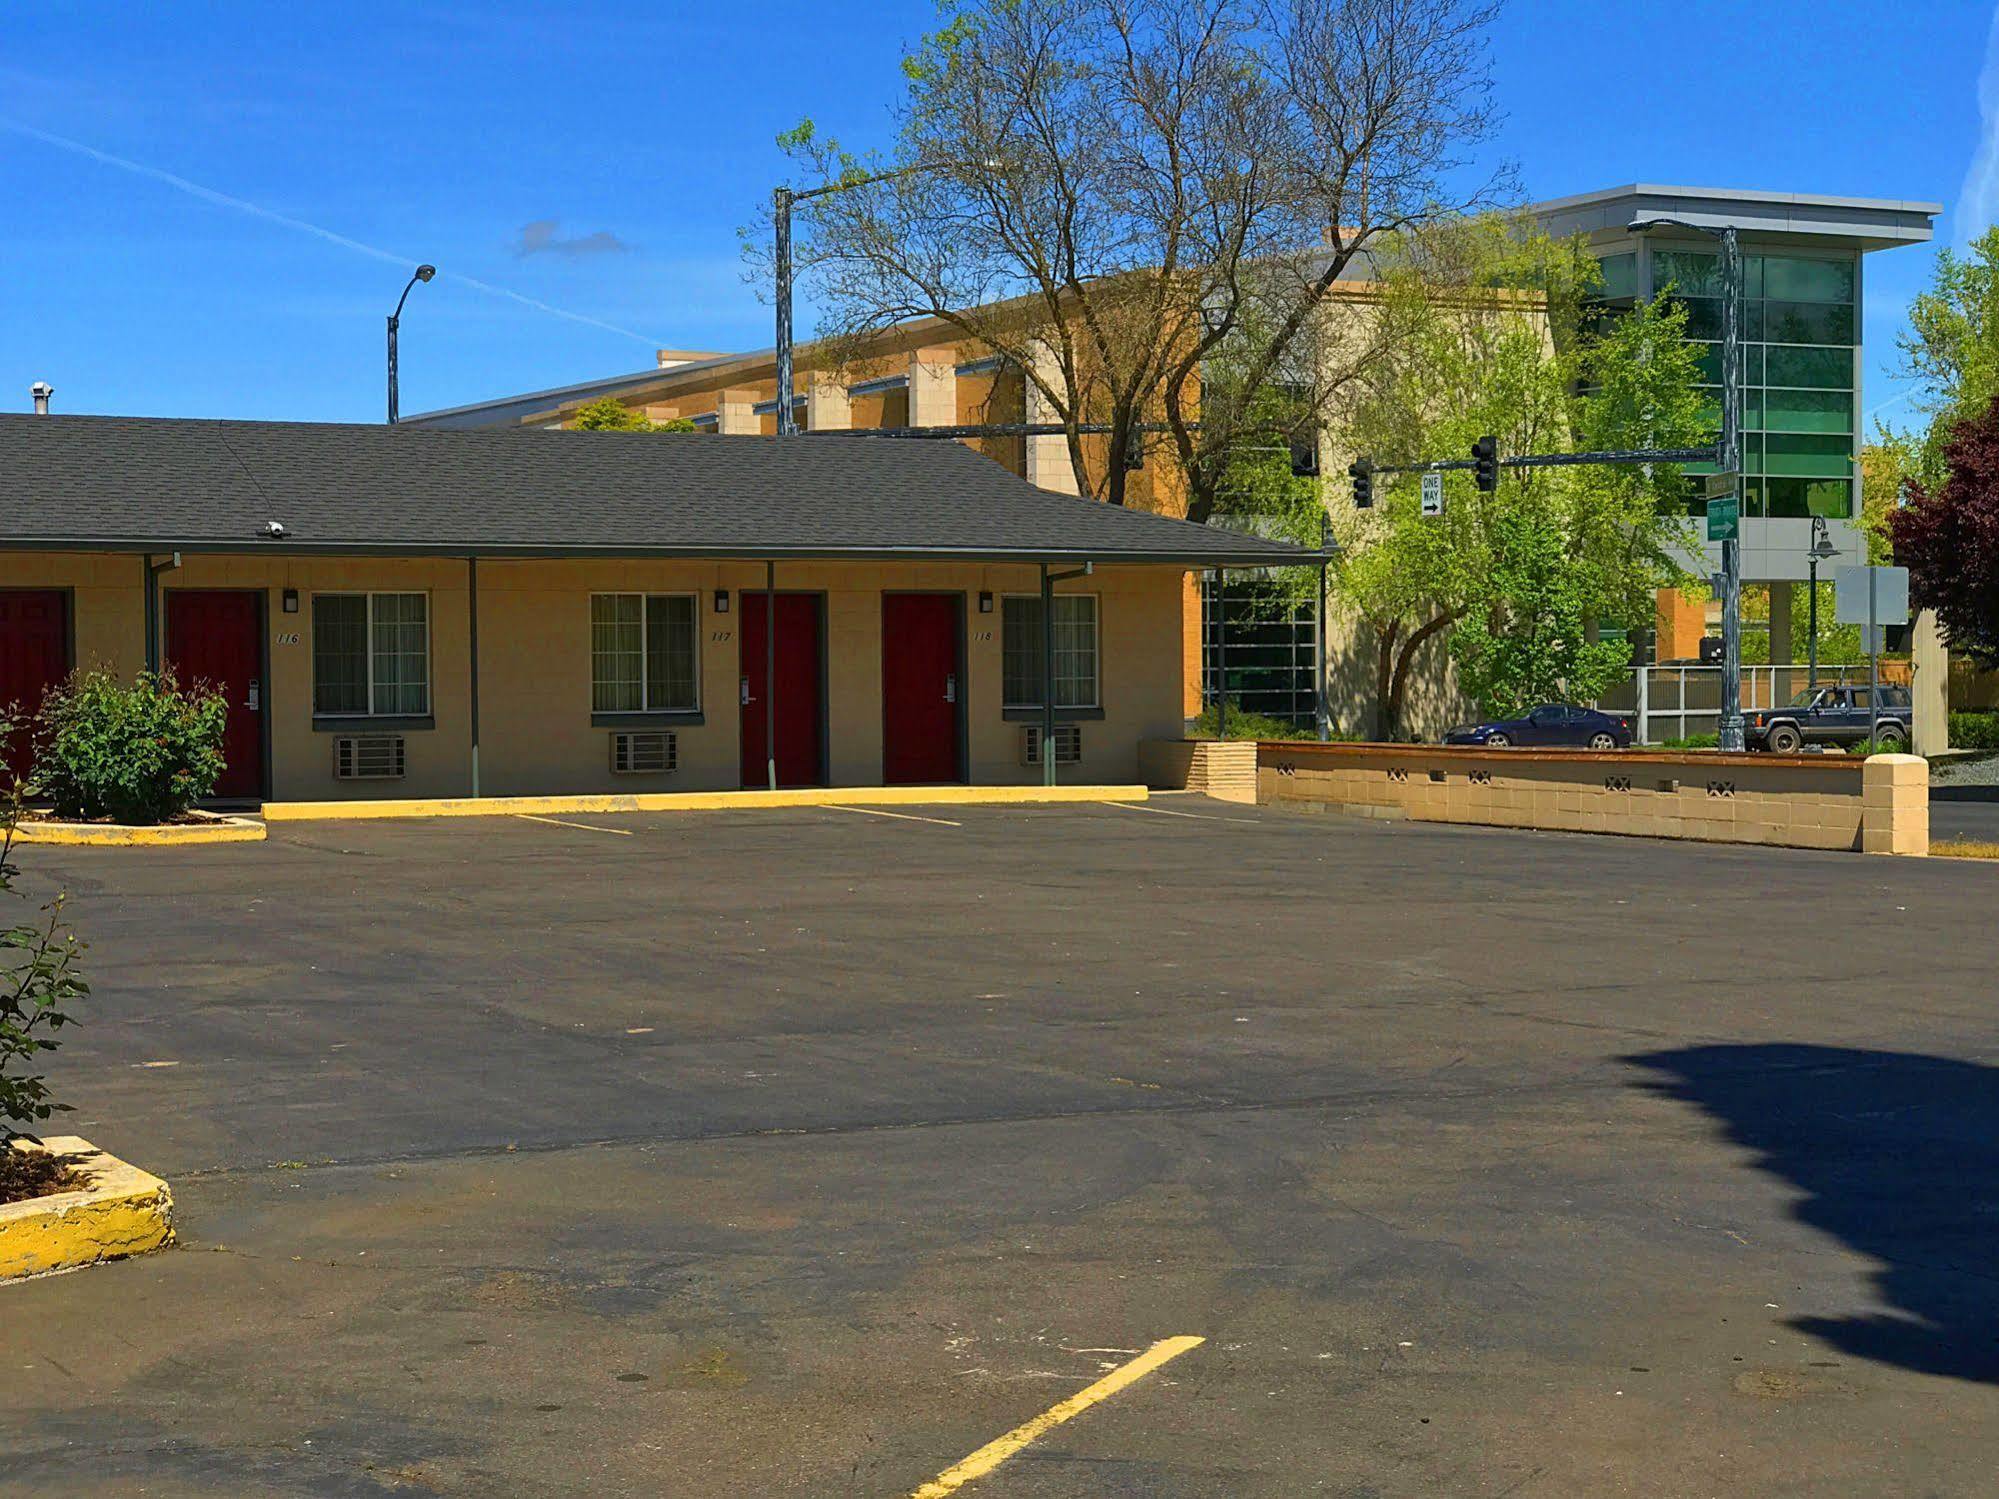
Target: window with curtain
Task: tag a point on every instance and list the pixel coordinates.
(1075, 651)
(371, 654)
(642, 653)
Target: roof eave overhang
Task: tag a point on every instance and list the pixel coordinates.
(293, 547)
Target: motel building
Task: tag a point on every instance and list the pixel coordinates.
(402, 612)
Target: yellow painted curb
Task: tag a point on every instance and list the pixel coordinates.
(124, 835)
(702, 801)
(123, 1211)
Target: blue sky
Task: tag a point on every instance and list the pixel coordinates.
(596, 161)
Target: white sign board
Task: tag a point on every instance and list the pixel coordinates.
(1871, 595)
(1433, 494)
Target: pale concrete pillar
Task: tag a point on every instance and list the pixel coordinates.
(827, 405)
(1929, 686)
(1048, 463)
(933, 387)
(1781, 653)
(1895, 805)
(736, 413)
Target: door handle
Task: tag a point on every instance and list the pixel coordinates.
(254, 699)
(747, 699)
(951, 688)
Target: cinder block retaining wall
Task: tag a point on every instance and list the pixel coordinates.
(1799, 801)
(1220, 768)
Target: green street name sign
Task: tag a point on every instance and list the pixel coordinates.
(1724, 519)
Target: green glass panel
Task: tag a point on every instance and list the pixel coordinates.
(1819, 369)
(1752, 410)
(1752, 452)
(1752, 275)
(1690, 273)
(1804, 280)
(1752, 498)
(1620, 275)
(1809, 457)
(1703, 316)
(1801, 323)
(1795, 499)
(1708, 356)
(1711, 407)
(1803, 410)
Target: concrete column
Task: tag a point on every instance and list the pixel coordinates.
(1048, 463)
(1929, 686)
(1781, 653)
(735, 413)
(933, 387)
(1895, 805)
(827, 408)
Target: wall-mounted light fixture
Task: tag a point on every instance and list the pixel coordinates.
(985, 603)
(721, 601)
(291, 601)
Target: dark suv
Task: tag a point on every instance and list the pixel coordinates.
(1830, 715)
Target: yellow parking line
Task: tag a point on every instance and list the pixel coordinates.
(942, 822)
(996, 1452)
(587, 827)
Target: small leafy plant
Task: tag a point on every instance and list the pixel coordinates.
(39, 980)
(142, 752)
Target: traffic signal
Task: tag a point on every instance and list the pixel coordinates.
(1485, 464)
(1362, 473)
(1134, 451)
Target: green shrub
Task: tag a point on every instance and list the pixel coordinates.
(1694, 742)
(1974, 731)
(1254, 726)
(38, 976)
(142, 752)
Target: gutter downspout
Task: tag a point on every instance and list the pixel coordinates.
(152, 604)
(770, 671)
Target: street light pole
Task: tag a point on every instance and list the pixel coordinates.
(780, 203)
(1729, 457)
(783, 200)
(422, 273)
(1822, 551)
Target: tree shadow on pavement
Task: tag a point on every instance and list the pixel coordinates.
(1898, 1157)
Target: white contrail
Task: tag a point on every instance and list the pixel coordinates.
(1978, 199)
(240, 205)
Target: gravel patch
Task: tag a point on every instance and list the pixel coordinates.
(1981, 769)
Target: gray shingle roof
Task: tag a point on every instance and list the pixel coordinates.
(133, 482)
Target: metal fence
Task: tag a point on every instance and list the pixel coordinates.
(1677, 702)
(1265, 647)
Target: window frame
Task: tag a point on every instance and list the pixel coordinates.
(646, 713)
(422, 718)
(1033, 711)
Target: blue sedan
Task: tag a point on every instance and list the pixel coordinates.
(1550, 726)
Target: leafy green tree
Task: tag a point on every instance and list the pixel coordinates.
(1502, 338)
(609, 414)
(39, 979)
(1951, 349)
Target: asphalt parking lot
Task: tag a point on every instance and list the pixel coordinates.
(805, 1153)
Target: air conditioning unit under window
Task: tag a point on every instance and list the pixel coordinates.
(368, 757)
(1068, 744)
(652, 752)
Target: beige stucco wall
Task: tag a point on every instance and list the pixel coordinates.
(534, 650)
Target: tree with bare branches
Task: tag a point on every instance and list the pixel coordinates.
(1110, 193)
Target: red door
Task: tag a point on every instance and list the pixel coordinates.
(920, 687)
(799, 705)
(218, 638)
(34, 656)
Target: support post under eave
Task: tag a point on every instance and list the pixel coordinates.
(770, 671)
(472, 609)
(1221, 653)
(1322, 717)
(1047, 678)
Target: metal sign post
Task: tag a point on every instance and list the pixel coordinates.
(1872, 597)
